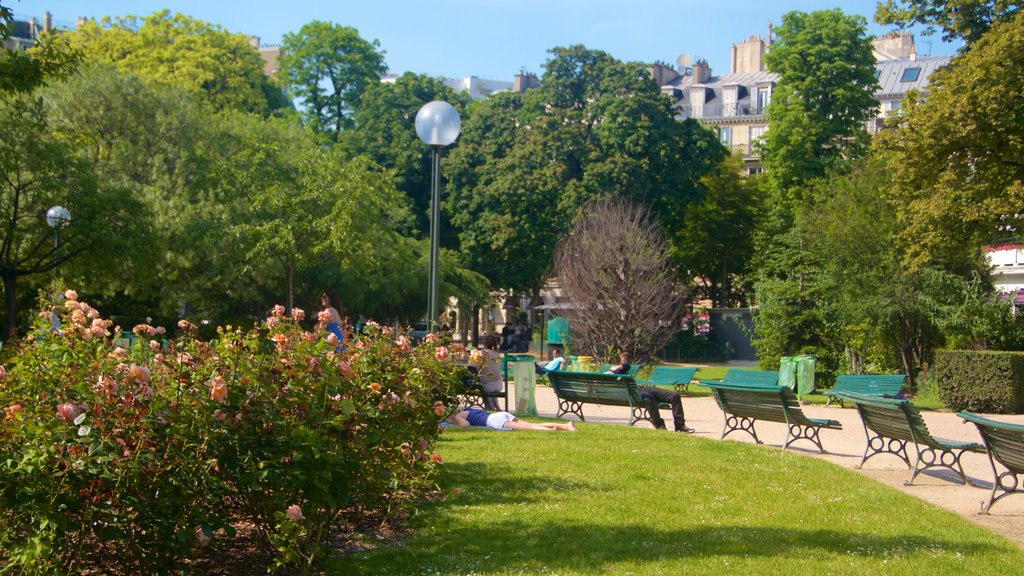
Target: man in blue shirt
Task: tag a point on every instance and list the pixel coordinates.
(557, 362)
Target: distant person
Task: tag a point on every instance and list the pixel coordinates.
(652, 396)
(331, 305)
(557, 362)
(507, 332)
(503, 420)
(489, 373)
(521, 338)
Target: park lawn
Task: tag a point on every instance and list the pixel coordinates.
(614, 500)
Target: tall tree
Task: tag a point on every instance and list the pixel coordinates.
(38, 172)
(328, 67)
(715, 243)
(956, 156)
(526, 165)
(177, 50)
(965, 19)
(823, 97)
(616, 268)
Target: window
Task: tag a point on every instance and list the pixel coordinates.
(910, 74)
(764, 97)
(756, 133)
(725, 135)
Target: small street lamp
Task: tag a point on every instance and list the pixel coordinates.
(438, 125)
(57, 218)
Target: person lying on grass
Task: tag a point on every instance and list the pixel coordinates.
(467, 417)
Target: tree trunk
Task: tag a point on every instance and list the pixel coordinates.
(11, 308)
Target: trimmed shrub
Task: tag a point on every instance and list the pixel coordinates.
(135, 456)
(980, 380)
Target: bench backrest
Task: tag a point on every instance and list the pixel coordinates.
(669, 376)
(633, 368)
(892, 418)
(870, 384)
(775, 404)
(751, 378)
(595, 388)
(1005, 441)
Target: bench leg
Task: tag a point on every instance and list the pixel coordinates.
(799, 432)
(569, 407)
(938, 458)
(1007, 482)
(681, 388)
(733, 423)
(879, 445)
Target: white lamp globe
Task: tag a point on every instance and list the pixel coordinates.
(438, 123)
(58, 216)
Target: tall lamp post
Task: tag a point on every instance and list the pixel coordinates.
(57, 218)
(438, 125)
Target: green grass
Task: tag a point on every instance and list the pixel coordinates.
(613, 500)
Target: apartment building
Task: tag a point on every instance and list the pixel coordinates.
(734, 104)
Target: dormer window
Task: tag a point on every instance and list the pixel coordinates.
(910, 74)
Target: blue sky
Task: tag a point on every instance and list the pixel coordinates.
(496, 38)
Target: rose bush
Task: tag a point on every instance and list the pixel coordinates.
(139, 455)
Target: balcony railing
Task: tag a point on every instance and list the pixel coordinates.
(721, 110)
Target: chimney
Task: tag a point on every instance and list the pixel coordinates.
(47, 21)
(701, 71)
(525, 81)
(254, 41)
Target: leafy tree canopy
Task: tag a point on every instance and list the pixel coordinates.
(328, 67)
(956, 156)
(965, 19)
(823, 97)
(177, 50)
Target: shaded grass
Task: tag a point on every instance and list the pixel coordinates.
(618, 500)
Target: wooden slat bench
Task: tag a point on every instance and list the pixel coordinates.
(734, 377)
(633, 368)
(574, 389)
(676, 376)
(1005, 443)
(890, 424)
(745, 405)
(885, 385)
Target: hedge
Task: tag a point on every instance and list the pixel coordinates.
(981, 380)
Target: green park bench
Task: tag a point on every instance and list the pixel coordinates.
(890, 424)
(574, 389)
(676, 376)
(735, 377)
(745, 405)
(885, 385)
(633, 369)
(1005, 443)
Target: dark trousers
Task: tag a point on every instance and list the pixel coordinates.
(652, 396)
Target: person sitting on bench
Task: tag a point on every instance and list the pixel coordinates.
(557, 362)
(502, 420)
(652, 396)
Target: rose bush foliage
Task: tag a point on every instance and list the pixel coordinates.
(137, 452)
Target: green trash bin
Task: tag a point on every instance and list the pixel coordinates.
(797, 374)
(787, 372)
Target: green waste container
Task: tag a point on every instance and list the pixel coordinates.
(797, 374)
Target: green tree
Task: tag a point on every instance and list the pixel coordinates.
(384, 130)
(525, 165)
(823, 97)
(177, 50)
(716, 241)
(966, 19)
(328, 67)
(955, 158)
(38, 172)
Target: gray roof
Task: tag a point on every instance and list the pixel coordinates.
(891, 73)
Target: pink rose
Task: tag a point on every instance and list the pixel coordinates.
(138, 373)
(281, 341)
(11, 412)
(436, 458)
(68, 411)
(107, 386)
(71, 295)
(278, 311)
(201, 536)
(272, 322)
(430, 338)
(3, 373)
(218, 389)
(402, 343)
(323, 317)
(294, 513)
(298, 314)
(154, 345)
(440, 353)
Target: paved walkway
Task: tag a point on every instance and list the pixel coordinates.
(846, 447)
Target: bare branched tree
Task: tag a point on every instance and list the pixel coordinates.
(615, 269)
